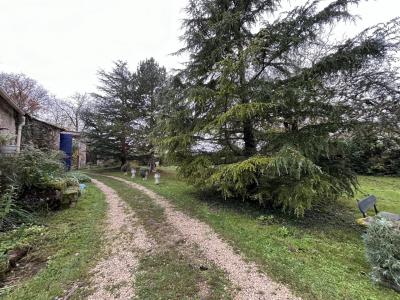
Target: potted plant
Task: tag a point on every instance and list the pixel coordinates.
(6, 140)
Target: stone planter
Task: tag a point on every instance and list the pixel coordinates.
(8, 149)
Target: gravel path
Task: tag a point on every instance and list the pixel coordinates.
(251, 283)
(126, 241)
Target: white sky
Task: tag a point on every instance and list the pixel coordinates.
(63, 43)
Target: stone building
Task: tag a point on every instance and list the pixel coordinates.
(23, 130)
(12, 119)
(41, 134)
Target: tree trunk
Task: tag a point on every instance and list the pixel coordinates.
(124, 152)
(248, 131)
(248, 138)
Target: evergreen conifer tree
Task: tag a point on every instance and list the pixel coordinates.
(264, 105)
(122, 117)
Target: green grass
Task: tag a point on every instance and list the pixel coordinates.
(319, 257)
(386, 189)
(169, 272)
(66, 246)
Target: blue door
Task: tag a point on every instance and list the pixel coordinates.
(66, 147)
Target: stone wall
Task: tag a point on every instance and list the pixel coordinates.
(82, 154)
(40, 135)
(8, 117)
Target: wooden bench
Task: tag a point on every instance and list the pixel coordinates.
(367, 203)
(370, 202)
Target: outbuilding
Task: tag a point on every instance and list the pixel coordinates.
(12, 119)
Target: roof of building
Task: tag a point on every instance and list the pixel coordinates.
(7, 98)
(47, 123)
(10, 102)
(72, 132)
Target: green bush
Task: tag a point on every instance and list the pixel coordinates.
(10, 212)
(289, 179)
(382, 242)
(6, 138)
(30, 182)
(126, 167)
(374, 153)
(82, 178)
(31, 168)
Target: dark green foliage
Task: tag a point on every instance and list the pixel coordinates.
(56, 242)
(110, 118)
(31, 168)
(265, 104)
(125, 167)
(120, 120)
(382, 242)
(10, 212)
(80, 177)
(31, 181)
(373, 153)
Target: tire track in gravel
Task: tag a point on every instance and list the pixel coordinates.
(126, 243)
(246, 276)
(192, 275)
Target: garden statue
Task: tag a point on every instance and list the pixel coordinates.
(157, 177)
(146, 174)
(133, 172)
(125, 167)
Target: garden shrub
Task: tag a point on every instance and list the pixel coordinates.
(135, 163)
(10, 212)
(126, 167)
(80, 177)
(29, 182)
(32, 168)
(6, 138)
(290, 179)
(374, 153)
(382, 242)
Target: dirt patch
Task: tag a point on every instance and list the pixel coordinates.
(24, 269)
(126, 241)
(251, 283)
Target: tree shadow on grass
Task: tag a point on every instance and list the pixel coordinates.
(333, 218)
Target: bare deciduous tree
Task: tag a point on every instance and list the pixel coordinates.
(70, 111)
(26, 92)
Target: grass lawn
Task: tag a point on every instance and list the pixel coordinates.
(319, 257)
(64, 248)
(387, 190)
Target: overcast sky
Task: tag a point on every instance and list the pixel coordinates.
(63, 43)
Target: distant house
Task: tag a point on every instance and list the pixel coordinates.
(12, 119)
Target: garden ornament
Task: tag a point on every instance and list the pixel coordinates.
(157, 177)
